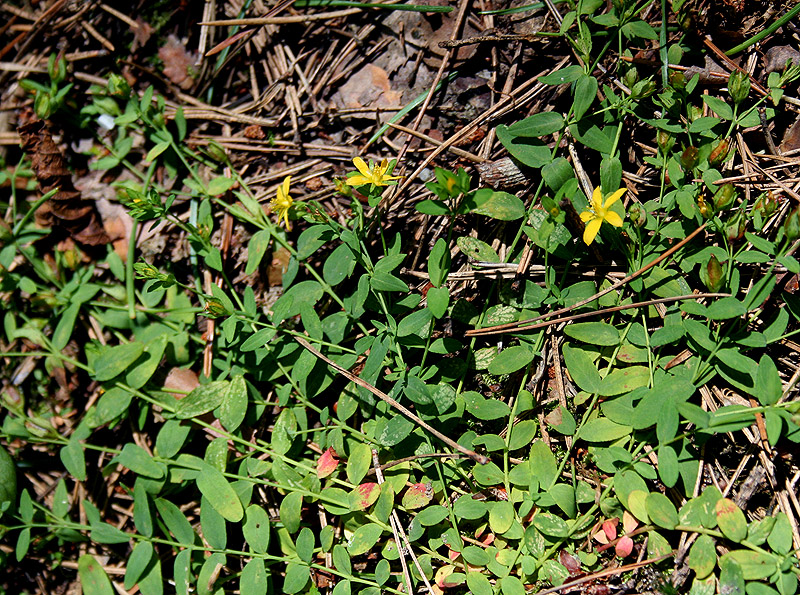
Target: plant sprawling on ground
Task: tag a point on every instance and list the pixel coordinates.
(329, 307)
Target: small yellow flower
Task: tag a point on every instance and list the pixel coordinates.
(375, 175)
(600, 211)
(283, 202)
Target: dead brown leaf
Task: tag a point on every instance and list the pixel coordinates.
(178, 63)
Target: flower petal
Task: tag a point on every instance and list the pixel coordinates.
(587, 216)
(614, 197)
(590, 233)
(357, 180)
(613, 218)
(362, 167)
(597, 199)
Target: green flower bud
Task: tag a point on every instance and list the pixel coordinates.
(792, 225)
(216, 152)
(43, 105)
(695, 112)
(665, 141)
(677, 80)
(643, 89)
(734, 230)
(215, 309)
(689, 158)
(724, 196)
(715, 274)
(57, 68)
(145, 271)
(118, 85)
(705, 209)
(738, 86)
(637, 215)
(551, 206)
(631, 77)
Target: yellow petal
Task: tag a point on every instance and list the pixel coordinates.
(614, 197)
(587, 216)
(362, 167)
(357, 180)
(590, 233)
(614, 219)
(597, 199)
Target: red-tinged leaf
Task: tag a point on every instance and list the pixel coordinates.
(731, 520)
(327, 462)
(364, 496)
(600, 537)
(441, 577)
(624, 547)
(570, 562)
(629, 522)
(418, 495)
(452, 554)
(610, 529)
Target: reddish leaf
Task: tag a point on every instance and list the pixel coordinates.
(629, 522)
(364, 496)
(418, 495)
(610, 529)
(624, 547)
(327, 462)
(570, 562)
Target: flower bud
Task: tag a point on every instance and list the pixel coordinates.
(724, 196)
(145, 271)
(677, 80)
(637, 215)
(689, 158)
(551, 206)
(715, 274)
(792, 225)
(734, 230)
(705, 209)
(643, 89)
(766, 204)
(665, 141)
(42, 105)
(719, 152)
(117, 85)
(631, 77)
(695, 112)
(215, 309)
(216, 152)
(738, 86)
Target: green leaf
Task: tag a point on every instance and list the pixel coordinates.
(256, 528)
(768, 388)
(511, 585)
(661, 510)
(556, 174)
(220, 185)
(725, 308)
(175, 521)
(780, 538)
(94, 579)
(209, 573)
(585, 94)
(731, 520)
(253, 579)
(539, 124)
(137, 563)
(341, 560)
(256, 248)
(339, 265)
(484, 409)
(624, 380)
(234, 404)
(639, 28)
(719, 106)
(593, 333)
(703, 556)
(8, 479)
(142, 516)
(501, 516)
(668, 467)
(113, 361)
(156, 151)
(511, 359)
(139, 461)
(752, 565)
(498, 205)
(475, 249)
(201, 400)
(469, 509)
(222, 497)
(567, 74)
(73, 459)
(581, 367)
(439, 262)
(522, 434)
(359, 462)
(602, 429)
(478, 584)
(438, 300)
(550, 524)
(290, 510)
(364, 538)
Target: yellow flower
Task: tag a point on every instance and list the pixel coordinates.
(600, 211)
(283, 202)
(374, 174)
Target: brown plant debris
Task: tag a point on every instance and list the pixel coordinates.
(66, 208)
